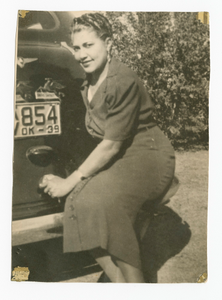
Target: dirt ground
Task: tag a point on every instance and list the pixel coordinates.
(175, 244)
(191, 204)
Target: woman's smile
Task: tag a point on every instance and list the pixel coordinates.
(86, 63)
(90, 50)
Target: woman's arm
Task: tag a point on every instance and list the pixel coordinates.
(99, 158)
(123, 105)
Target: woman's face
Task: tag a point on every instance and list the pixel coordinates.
(90, 51)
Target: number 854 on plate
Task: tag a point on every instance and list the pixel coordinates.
(34, 119)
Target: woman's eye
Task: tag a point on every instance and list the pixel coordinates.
(75, 49)
(88, 45)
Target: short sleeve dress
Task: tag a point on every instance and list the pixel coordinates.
(101, 210)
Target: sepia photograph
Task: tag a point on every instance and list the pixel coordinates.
(111, 141)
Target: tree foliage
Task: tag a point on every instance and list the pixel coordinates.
(170, 53)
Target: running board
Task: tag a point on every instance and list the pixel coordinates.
(37, 229)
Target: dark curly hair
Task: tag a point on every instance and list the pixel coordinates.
(96, 21)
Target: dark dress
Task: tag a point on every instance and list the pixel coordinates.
(101, 210)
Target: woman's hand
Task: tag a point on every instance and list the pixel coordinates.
(56, 186)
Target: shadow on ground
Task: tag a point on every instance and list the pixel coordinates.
(165, 237)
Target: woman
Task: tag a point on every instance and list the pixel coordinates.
(133, 162)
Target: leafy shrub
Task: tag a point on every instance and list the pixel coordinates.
(170, 53)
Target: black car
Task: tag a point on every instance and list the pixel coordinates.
(49, 131)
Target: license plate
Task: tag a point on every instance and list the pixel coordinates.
(34, 119)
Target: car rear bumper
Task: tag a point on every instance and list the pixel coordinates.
(37, 229)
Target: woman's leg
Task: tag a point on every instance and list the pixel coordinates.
(120, 272)
(130, 273)
(106, 263)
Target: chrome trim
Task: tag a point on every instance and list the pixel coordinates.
(36, 229)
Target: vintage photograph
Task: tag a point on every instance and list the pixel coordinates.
(111, 141)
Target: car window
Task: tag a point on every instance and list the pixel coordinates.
(37, 20)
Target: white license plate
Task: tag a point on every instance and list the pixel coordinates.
(37, 118)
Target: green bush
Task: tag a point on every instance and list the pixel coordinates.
(170, 53)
